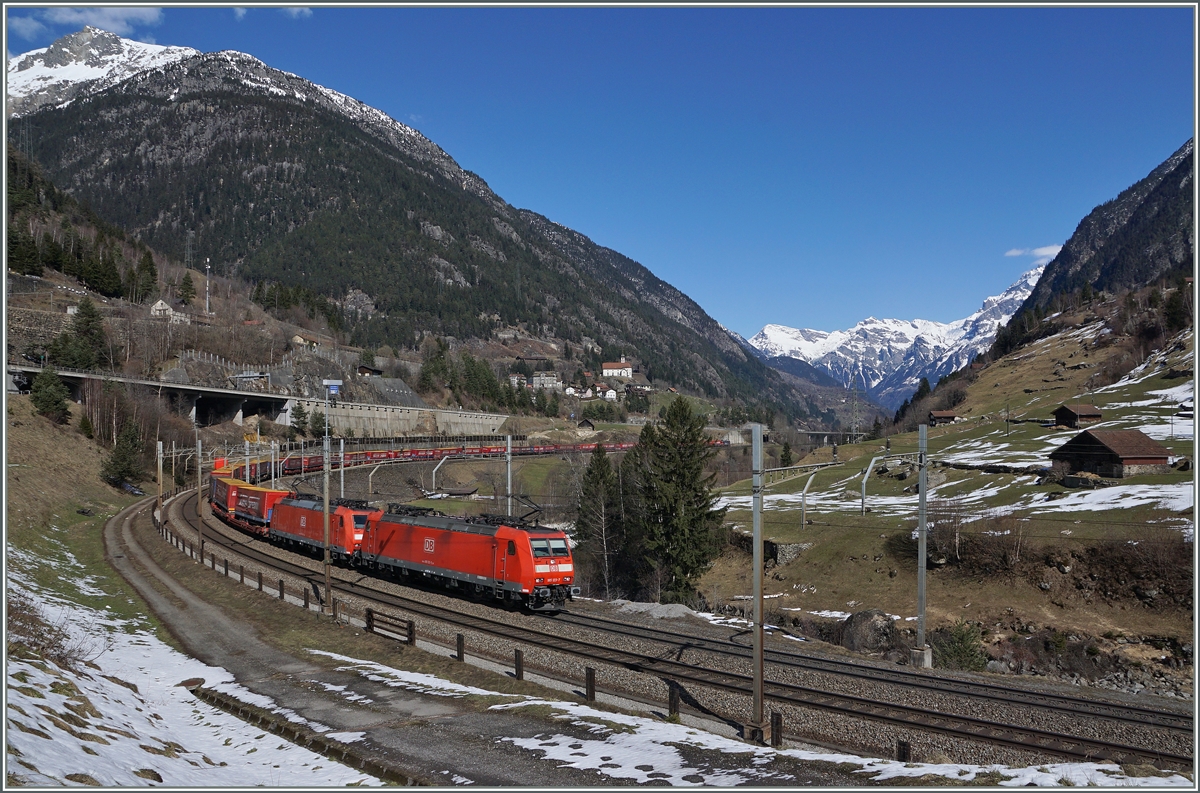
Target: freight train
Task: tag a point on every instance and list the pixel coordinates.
(300, 463)
(488, 557)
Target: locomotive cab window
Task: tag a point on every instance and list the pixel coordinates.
(360, 521)
(558, 547)
(540, 547)
(512, 548)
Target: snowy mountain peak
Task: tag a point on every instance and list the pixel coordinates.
(90, 58)
(892, 355)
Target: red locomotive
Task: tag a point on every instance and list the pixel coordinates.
(487, 557)
(300, 522)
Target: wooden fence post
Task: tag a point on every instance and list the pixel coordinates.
(519, 664)
(590, 684)
(776, 729)
(260, 580)
(459, 644)
(412, 633)
(672, 698)
(281, 589)
(370, 617)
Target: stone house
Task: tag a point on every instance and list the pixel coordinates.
(1113, 453)
(1075, 414)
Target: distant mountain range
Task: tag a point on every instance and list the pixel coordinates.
(888, 357)
(296, 186)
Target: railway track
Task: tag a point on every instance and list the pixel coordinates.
(904, 716)
(981, 690)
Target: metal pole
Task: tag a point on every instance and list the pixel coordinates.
(804, 500)
(325, 511)
(922, 448)
(866, 474)
(247, 461)
(207, 278)
(508, 464)
(342, 467)
(200, 489)
(757, 489)
(160, 467)
(172, 464)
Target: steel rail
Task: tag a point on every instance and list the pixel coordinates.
(1023, 738)
(1132, 714)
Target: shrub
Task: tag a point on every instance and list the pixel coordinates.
(959, 647)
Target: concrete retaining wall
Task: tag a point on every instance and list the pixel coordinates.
(381, 421)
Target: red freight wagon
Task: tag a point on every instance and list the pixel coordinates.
(291, 465)
(254, 507)
(314, 462)
(222, 493)
(299, 521)
(378, 455)
(488, 556)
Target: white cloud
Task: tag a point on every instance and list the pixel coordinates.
(1042, 255)
(25, 27)
(239, 14)
(121, 21)
(297, 12)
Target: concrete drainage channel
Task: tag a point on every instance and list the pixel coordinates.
(302, 736)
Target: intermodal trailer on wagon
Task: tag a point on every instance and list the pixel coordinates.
(254, 507)
(222, 493)
(520, 564)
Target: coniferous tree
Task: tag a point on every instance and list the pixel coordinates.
(300, 419)
(49, 395)
(598, 524)
(316, 424)
(677, 531)
(785, 456)
(187, 290)
(124, 464)
(85, 426)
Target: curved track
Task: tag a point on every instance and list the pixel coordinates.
(1016, 737)
(1010, 695)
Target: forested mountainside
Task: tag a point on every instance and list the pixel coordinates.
(292, 185)
(1145, 234)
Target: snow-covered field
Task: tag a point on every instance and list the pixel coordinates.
(131, 724)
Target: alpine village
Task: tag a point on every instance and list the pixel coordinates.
(326, 465)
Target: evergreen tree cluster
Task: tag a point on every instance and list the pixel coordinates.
(85, 345)
(651, 526)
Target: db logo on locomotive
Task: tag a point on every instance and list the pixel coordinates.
(428, 545)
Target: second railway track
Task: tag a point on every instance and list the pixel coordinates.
(1020, 737)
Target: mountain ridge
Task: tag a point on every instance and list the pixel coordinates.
(892, 355)
(290, 184)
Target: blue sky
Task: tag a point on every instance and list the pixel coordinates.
(802, 166)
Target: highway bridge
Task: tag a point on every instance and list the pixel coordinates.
(207, 405)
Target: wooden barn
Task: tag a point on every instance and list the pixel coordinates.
(937, 417)
(1074, 415)
(1113, 453)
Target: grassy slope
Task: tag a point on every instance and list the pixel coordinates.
(849, 566)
